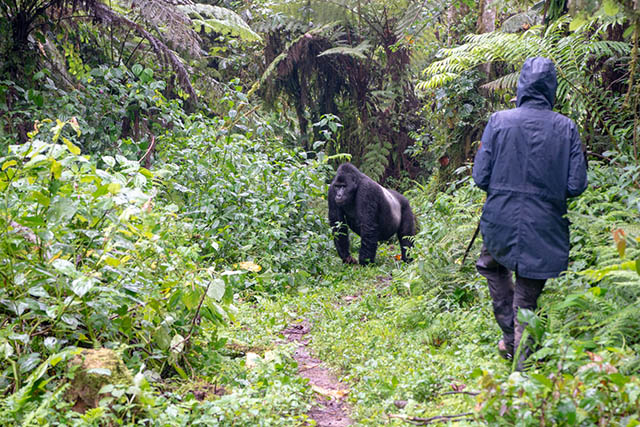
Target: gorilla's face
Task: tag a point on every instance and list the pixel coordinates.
(346, 186)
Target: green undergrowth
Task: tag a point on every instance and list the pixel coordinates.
(100, 251)
(408, 339)
(191, 270)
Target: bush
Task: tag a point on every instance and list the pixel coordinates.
(90, 258)
(249, 199)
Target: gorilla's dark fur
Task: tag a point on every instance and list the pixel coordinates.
(370, 210)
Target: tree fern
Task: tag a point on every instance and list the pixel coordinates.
(579, 89)
(357, 51)
(107, 16)
(169, 21)
(209, 18)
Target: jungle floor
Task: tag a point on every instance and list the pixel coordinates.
(372, 352)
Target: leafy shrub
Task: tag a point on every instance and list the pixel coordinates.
(118, 109)
(89, 258)
(249, 198)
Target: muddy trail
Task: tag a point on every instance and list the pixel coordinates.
(330, 408)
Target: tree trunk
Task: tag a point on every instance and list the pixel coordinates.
(486, 24)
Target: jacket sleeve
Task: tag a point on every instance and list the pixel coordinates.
(577, 180)
(483, 163)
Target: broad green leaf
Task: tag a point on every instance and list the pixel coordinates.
(146, 172)
(113, 262)
(162, 338)
(567, 410)
(38, 158)
(629, 31)
(56, 169)
(216, 289)
(101, 191)
(41, 199)
(38, 291)
(137, 69)
(543, 380)
(8, 164)
(177, 344)
(74, 149)
(146, 75)
(33, 221)
(180, 371)
(57, 129)
(30, 362)
(82, 285)
(6, 350)
(110, 161)
(139, 181)
(191, 298)
(65, 267)
(114, 187)
(50, 343)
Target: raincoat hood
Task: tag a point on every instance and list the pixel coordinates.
(537, 84)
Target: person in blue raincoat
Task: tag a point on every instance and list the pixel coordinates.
(529, 163)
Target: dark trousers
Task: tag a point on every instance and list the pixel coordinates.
(507, 298)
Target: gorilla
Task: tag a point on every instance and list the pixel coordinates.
(371, 211)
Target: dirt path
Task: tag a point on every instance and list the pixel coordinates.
(330, 408)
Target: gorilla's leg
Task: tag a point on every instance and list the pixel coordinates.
(368, 248)
(406, 230)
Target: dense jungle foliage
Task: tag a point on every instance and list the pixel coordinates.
(164, 167)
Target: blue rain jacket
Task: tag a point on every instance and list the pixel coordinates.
(530, 161)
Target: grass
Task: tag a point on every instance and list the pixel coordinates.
(386, 344)
(406, 338)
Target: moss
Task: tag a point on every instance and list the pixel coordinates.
(93, 370)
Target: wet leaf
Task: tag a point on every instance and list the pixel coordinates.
(334, 394)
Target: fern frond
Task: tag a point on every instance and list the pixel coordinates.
(572, 53)
(170, 21)
(219, 19)
(273, 67)
(357, 52)
(505, 82)
(106, 16)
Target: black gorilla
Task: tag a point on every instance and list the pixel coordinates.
(370, 210)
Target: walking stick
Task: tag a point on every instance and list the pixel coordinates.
(473, 239)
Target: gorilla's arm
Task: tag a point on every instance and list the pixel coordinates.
(339, 228)
(368, 212)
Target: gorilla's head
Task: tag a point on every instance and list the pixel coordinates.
(346, 184)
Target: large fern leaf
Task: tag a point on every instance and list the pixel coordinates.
(219, 19)
(571, 52)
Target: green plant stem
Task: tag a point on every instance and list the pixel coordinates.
(16, 376)
(634, 62)
(88, 324)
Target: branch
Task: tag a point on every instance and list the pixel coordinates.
(470, 393)
(193, 321)
(432, 420)
(147, 156)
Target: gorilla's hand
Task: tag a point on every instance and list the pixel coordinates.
(350, 260)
